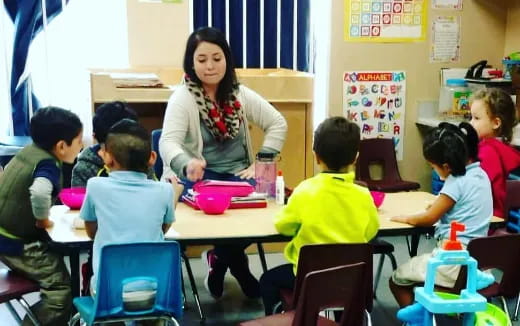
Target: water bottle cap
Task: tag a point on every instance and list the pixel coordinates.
(279, 173)
(264, 156)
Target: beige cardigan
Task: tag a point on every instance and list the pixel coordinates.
(181, 126)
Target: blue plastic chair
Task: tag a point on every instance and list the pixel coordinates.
(123, 263)
(158, 166)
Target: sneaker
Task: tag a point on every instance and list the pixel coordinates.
(248, 283)
(214, 281)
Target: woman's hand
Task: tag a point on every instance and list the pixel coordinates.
(248, 173)
(195, 169)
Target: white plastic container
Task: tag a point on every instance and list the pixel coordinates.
(454, 96)
(280, 189)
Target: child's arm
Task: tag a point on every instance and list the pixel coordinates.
(178, 188)
(440, 206)
(41, 190)
(91, 228)
(288, 220)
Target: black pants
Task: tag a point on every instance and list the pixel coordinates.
(231, 253)
(272, 281)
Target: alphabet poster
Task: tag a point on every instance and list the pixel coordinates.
(375, 100)
(385, 20)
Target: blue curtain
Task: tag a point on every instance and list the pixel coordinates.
(28, 22)
(236, 30)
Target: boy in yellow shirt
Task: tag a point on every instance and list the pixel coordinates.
(327, 208)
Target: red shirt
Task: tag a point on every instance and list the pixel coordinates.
(498, 160)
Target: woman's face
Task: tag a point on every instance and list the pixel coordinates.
(209, 63)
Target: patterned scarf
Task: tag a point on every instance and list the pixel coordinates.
(223, 121)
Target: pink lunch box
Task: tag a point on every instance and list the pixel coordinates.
(233, 188)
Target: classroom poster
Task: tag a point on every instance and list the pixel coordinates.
(447, 4)
(445, 40)
(375, 100)
(385, 20)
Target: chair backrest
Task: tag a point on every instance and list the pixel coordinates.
(379, 151)
(512, 196)
(498, 252)
(333, 287)
(160, 261)
(158, 166)
(321, 256)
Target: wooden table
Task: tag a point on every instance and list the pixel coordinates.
(251, 225)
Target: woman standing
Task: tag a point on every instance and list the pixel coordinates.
(205, 135)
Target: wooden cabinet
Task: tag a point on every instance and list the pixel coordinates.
(289, 91)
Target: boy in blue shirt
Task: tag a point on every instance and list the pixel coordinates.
(126, 206)
(28, 187)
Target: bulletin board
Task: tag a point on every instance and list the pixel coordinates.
(385, 20)
(375, 100)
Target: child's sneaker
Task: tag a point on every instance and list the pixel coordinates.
(214, 281)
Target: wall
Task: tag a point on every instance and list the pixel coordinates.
(157, 33)
(483, 34)
(513, 28)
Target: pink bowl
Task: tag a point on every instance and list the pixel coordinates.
(378, 197)
(213, 203)
(73, 197)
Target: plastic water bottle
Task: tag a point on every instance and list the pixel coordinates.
(265, 173)
(280, 189)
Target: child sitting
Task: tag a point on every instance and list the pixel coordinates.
(327, 208)
(90, 164)
(493, 115)
(28, 187)
(465, 197)
(126, 206)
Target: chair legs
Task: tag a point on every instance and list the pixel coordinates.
(193, 287)
(515, 316)
(28, 311)
(75, 319)
(506, 310)
(25, 307)
(380, 268)
(13, 312)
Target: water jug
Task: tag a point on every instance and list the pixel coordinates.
(265, 173)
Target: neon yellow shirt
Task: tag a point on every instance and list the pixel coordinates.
(327, 208)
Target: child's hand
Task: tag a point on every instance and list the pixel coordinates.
(178, 187)
(400, 219)
(44, 224)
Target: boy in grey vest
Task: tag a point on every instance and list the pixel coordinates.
(28, 188)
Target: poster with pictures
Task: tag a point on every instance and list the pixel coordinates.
(385, 20)
(375, 100)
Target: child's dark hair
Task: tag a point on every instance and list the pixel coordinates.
(51, 124)
(336, 142)
(215, 36)
(129, 143)
(452, 145)
(499, 105)
(107, 115)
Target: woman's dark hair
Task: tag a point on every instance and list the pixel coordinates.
(215, 36)
(336, 142)
(451, 145)
(51, 124)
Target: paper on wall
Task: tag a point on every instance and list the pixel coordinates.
(445, 46)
